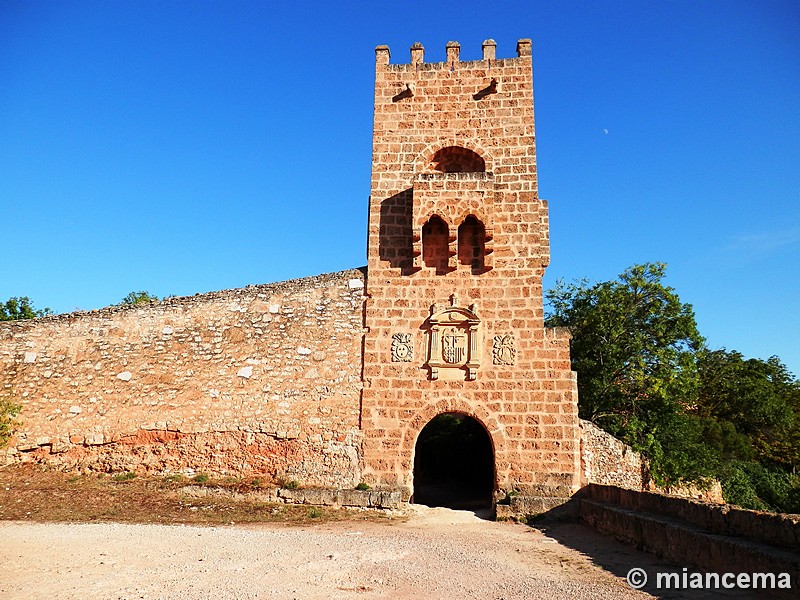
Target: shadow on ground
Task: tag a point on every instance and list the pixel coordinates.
(455, 495)
(563, 525)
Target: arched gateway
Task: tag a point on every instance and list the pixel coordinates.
(454, 463)
(458, 244)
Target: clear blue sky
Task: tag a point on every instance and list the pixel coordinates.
(182, 147)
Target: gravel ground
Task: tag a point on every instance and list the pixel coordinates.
(437, 553)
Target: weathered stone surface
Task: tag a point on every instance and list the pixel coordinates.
(354, 498)
(522, 506)
(315, 496)
(607, 461)
(385, 499)
(190, 383)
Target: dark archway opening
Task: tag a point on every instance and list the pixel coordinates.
(436, 245)
(454, 464)
(472, 244)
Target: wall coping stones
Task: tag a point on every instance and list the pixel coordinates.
(347, 276)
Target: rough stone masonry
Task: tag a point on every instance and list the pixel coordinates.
(329, 380)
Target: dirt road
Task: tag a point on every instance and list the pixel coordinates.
(437, 553)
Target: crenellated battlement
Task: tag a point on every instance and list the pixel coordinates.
(453, 51)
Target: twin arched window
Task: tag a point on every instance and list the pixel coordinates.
(471, 249)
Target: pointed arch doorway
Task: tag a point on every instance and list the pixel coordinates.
(454, 464)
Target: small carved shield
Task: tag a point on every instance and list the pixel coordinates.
(453, 346)
(402, 348)
(504, 350)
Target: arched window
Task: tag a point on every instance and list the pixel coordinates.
(455, 159)
(472, 244)
(435, 245)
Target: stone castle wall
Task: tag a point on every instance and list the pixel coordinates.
(316, 379)
(605, 460)
(262, 380)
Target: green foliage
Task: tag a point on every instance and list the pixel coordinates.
(633, 345)
(645, 377)
(750, 484)
(15, 309)
(201, 478)
(138, 298)
(125, 476)
(8, 410)
(506, 500)
(290, 485)
(753, 407)
(363, 487)
(757, 401)
(314, 512)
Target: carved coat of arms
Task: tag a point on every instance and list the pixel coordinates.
(402, 348)
(453, 345)
(453, 342)
(504, 351)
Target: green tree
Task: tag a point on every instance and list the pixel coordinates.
(17, 308)
(633, 347)
(759, 399)
(138, 298)
(754, 408)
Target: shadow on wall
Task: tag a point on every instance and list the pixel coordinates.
(395, 239)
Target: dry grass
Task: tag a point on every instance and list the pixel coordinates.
(31, 493)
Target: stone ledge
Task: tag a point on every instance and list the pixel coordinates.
(527, 506)
(762, 527)
(387, 499)
(687, 545)
(342, 497)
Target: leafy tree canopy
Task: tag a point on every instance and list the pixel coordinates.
(633, 346)
(21, 307)
(759, 399)
(645, 377)
(138, 298)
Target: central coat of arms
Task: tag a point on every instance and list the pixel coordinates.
(453, 345)
(453, 342)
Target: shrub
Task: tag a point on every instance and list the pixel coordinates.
(8, 410)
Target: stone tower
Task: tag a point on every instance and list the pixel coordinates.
(458, 244)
